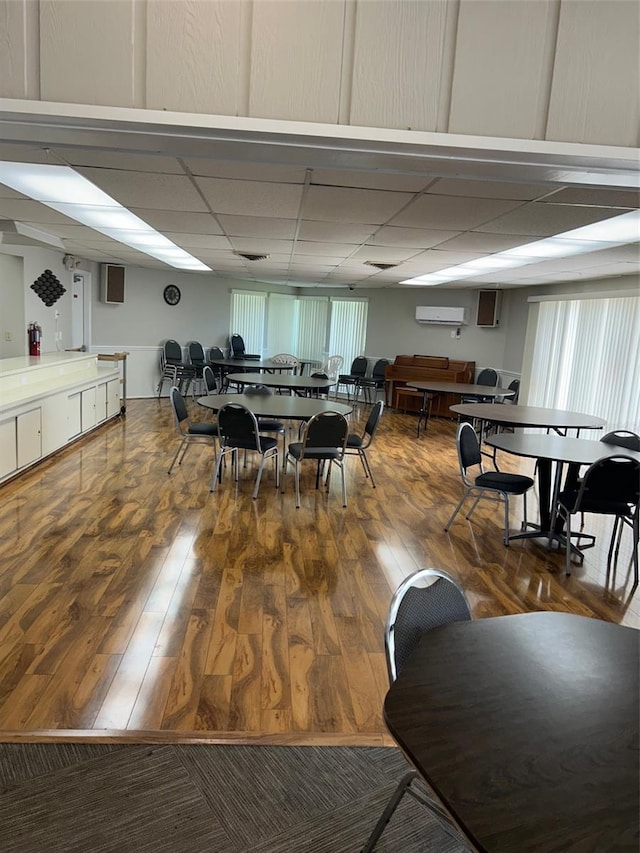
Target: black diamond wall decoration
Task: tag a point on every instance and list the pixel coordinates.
(48, 288)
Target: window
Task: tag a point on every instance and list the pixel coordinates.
(276, 322)
(586, 358)
(247, 318)
(348, 334)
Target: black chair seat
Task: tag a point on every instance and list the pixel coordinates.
(203, 429)
(296, 450)
(270, 426)
(266, 443)
(515, 484)
(354, 441)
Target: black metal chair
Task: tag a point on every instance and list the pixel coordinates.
(238, 430)
(359, 443)
(173, 369)
(266, 424)
(490, 485)
(610, 486)
(321, 391)
(487, 376)
(514, 386)
(425, 600)
(375, 382)
(209, 380)
(197, 361)
(236, 342)
(215, 353)
(189, 432)
(324, 439)
(350, 380)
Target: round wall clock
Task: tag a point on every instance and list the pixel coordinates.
(171, 294)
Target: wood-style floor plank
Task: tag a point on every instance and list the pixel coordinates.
(139, 605)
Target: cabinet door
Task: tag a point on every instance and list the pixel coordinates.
(88, 406)
(8, 451)
(113, 398)
(74, 415)
(29, 437)
(101, 402)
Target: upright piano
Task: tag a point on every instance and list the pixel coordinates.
(420, 368)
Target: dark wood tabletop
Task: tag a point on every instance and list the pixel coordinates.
(276, 405)
(527, 728)
(528, 416)
(280, 380)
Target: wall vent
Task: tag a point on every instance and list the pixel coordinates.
(250, 257)
(380, 266)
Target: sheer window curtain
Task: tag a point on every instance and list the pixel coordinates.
(348, 334)
(586, 358)
(247, 318)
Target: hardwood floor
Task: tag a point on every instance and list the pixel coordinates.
(141, 606)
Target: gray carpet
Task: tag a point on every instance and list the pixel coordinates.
(94, 798)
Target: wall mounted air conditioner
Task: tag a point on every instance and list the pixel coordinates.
(445, 316)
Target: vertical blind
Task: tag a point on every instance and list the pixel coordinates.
(587, 359)
(282, 324)
(312, 327)
(348, 329)
(247, 318)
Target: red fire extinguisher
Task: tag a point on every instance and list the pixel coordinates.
(34, 333)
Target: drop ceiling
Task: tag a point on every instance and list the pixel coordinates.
(329, 212)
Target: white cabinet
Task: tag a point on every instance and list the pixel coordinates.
(8, 447)
(29, 436)
(113, 398)
(88, 407)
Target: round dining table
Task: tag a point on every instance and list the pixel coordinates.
(281, 380)
(528, 416)
(558, 450)
(431, 389)
(279, 406)
(253, 364)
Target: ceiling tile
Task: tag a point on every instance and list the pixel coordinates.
(184, 223)
(121, 160)
(488, 189)
(411, 238)
(385, 254)
(26, 210)
(335, 204)
(335, 232)
(596, 196)
(246, 171)
(258, 226)
(244, 198)
(451, 213)
(198, 241)
(475, 241)
(546, 219)
(257, 246)
(147, 189)
(338, 250)
(370, 180)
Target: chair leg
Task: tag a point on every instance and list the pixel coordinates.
(344, 483)
(568, 554)
(366, 466)
(176, 456)
(297, 479)
(506, 519)
(456, 511)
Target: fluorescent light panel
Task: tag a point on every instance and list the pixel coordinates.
(64, 190)
(617, 231)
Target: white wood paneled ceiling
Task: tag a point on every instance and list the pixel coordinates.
(327, 209)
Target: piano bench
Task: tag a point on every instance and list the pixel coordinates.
(408, 400)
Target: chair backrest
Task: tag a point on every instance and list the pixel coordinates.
(258, 390)
(468, 449)
(215, 352)
(417, 607)
(379, 368)
(333, 365)
(287, 358)
(488, 376)
(237, 345)
(179, 407)
(614, 480)
(513, 386)
(196, 353)
(359, 366)
(326, 429)
(209, 377)
(622, 438)
(373, 420)
(239, 426)
(172, 352)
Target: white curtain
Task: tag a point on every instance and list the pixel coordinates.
(282, 324)
(348, 335)
(247, 318)
(587, 359)
(312, 327)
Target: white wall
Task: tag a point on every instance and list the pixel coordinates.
(12, 323)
